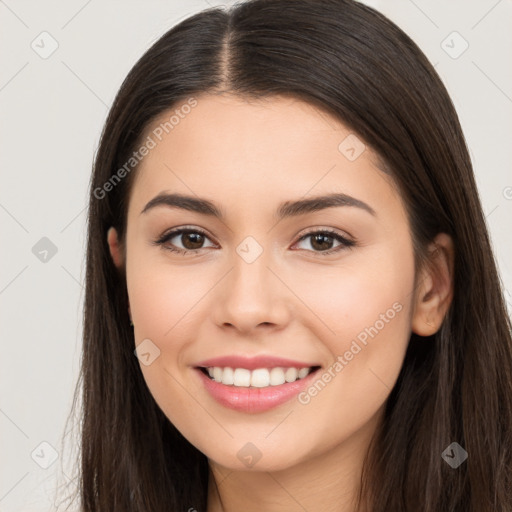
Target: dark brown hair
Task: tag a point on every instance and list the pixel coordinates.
(456, 385)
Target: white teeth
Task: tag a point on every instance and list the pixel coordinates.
(242, 377)
(303, 372)
(277, 377)
(291, 374)
(228, 377)
(259, 378)
(217, 374)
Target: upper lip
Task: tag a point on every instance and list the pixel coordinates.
(252, 363)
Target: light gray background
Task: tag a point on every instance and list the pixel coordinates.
(52, 111)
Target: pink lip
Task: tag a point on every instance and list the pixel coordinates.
(254, 400)
(252, 363)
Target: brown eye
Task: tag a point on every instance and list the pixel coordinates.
(322, 241)
(192, 240)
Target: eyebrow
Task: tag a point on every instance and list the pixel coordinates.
(286, 209)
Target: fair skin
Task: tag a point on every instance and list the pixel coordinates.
(291, 301)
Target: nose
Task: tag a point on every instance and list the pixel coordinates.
(251, 297)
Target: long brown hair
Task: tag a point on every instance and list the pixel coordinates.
(455, 386)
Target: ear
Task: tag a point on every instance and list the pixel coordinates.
(115, 248)
(434, 290)
(117, 254)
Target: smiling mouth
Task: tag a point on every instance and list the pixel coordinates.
(257, 378)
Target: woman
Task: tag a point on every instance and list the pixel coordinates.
(291, 299)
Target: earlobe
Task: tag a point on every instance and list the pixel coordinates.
(434, 292)
(114, 246)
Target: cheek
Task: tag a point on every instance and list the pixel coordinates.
(364, 291)
(362, 316)
(162, 300)
(163, 297)
(167, 305)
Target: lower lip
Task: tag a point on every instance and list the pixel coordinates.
(254, 400)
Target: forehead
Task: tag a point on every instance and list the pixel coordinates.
(225, 122)
(270, 149)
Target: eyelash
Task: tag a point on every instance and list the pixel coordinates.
(162, 241)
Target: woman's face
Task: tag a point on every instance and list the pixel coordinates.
(264, 280)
